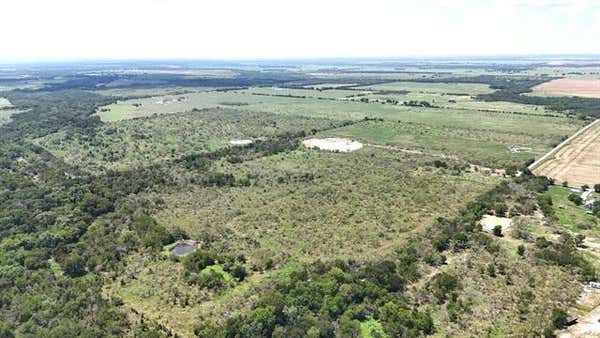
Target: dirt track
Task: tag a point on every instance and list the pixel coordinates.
(577, 162)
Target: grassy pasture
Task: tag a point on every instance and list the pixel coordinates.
(569, 215)
(482, 146)
(436, 88)
(457, 127)
(309, 93)
(244, 100)
(464, 102)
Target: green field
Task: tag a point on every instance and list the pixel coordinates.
(482, 133)
(433, 88)
(480, 146)
(568, 214)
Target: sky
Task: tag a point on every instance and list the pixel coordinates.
(37, 30)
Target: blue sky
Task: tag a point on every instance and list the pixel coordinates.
(40, 29)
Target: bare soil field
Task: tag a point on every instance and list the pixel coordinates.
(569, 87)
(333, 144)
(577, 162)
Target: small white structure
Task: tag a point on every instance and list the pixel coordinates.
(240, 142)
(595, 285)
(333, 144)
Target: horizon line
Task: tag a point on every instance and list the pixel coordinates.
(11, 61)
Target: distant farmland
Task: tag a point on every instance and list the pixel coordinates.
(576, 162)
(569, 87)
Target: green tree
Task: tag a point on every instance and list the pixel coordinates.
(74, 266)
(521, 250)
(559, 318)
(198, 260)
(576, 198)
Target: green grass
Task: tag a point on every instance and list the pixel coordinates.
(568, 214)
(479, 136)
(372, 329)
(219, 270)
(481, 146)
(343, 109)
(436, 87)
(305, 205)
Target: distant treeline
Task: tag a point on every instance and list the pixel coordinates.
(110, 81)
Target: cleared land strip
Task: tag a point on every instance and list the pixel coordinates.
(576, 160)
(411, 151)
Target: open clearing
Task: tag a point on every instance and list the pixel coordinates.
(577, 162)
(489, 222)
(333, 144)
(569, 87)
(4, 102)
(240, 142)
(490, 147)
(6, 111)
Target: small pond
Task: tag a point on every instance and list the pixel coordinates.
(183, 249)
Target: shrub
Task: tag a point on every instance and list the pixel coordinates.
(442, 285)
(198, 260)
(75, 266)
(575, 198)
(521, 250)
(559, 318)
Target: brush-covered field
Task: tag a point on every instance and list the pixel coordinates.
(159, 138)
(106, 174)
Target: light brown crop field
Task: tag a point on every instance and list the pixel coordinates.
(577, 162)
(569, 87)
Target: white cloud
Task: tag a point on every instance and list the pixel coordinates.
(41, 29)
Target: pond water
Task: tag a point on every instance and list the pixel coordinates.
(183, 249)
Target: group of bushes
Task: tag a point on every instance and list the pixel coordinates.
(207, 269)
(333, 299)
